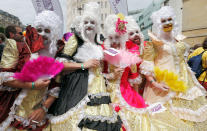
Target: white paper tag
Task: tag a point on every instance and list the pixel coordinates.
(156, 108)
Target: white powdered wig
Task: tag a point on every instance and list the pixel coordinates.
(110, 30)
(91, 12)
(164, 13)
(132, 26)
(49, 19)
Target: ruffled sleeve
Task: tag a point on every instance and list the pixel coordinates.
(54, 87)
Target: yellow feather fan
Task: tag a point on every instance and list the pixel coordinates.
(170, 79)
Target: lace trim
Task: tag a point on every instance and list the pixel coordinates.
(54, 92)
(123, 117)
(137, 80)
(99, 95)
(112, 119)
(195, 91)
(63, 117)
(5, 124)
(152, 109)
(63, 60)
(83, 102)
(5, 77)
(25, 122)
(199, 115)
(147, 68)
(192, 94)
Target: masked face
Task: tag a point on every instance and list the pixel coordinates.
(89, 26)
(134, 37)
(167, 24)
(115, 41)
(45, 33)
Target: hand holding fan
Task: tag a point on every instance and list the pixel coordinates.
(43, 67)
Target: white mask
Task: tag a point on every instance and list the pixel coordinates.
(45, 32)
(115, 41)
(89, 26)
(134, 36)
(167, 24)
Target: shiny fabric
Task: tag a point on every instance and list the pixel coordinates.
(6, 101)
(10, 54)
(71, 122)
(33, 98)
(132, 47)
(185, 106)
(139, 120)
(102, 126)
(73, 89)
(204, 61)
(128, 92)
(19, 127)
(15, 55)
(79, 88)
(33, 39)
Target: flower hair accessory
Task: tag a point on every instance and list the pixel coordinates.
(121, 25)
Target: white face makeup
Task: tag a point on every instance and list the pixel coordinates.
(45, 32)
(167, 24)
(89, 26)
(115, 41)
(134, 36)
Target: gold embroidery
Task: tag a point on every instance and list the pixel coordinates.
(70, 46)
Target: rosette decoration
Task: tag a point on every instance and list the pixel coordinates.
(42, 67)
(121, 25)
(170, 79)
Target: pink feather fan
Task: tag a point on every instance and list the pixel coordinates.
(42, 67)
(121, 58)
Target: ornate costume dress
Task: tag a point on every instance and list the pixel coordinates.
(188, 103)
(17, 104)
(83, 102)
(125, 98)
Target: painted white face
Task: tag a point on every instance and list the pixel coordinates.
(45, 32)
(167, 24)
(134, 36)
(89, 26)
(115, 41)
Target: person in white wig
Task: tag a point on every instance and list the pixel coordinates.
(32, 100)
(170, 80)
(135, 41)
(83, 102)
